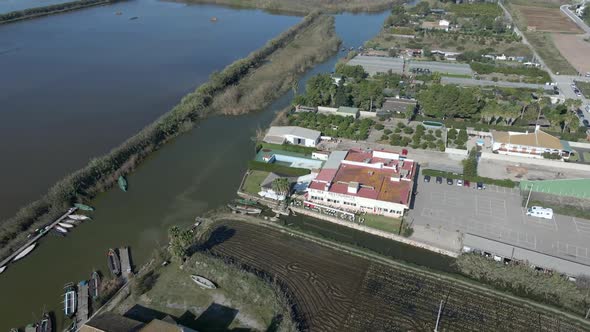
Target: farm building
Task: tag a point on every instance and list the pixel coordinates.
(376, 182)
(398, 105)
(293, 135)
(532, 145)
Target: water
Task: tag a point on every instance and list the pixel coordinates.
(12, 5)
(69, 94)
(198, 171)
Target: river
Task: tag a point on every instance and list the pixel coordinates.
(101, 101)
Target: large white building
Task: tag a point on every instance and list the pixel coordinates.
(532, 145)
(376, 182)
(293, 135)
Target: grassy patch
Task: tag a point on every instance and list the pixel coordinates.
(391, 225)
(586, 156)
(564, 209)
(543, 43)
(584, 88)
(306, 6)
(253, 180)
(279, 169)
(456, 75)
(287, 147)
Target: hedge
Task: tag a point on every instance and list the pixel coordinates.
(287, 147)
(501, 183)
(275, 168)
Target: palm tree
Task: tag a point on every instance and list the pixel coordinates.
(281, 186)
(570, 119)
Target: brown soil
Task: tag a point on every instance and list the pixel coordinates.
(335, 291)
(547, 19)
(575, 49)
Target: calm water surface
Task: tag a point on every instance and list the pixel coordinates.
(12, 5)
(95, 95)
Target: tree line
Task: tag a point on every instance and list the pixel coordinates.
(47, 10)
(102, 173)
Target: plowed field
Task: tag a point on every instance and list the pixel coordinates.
(335, 291)
(547, 19)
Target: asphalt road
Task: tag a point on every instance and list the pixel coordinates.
(375, 64)
(566, 10)
(474, 82)
(442, 67)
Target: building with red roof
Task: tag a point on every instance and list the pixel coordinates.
(377, 182)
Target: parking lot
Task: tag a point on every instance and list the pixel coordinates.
(496, 213)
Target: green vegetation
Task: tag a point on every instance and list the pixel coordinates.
(286, 147)
(102, 173)
(476, 10)
(386, 224)
(253, 181)
(584, 88)
(180, 241)
(522, 280)
(586, 15)
(333, 125)
(417, 139)
(449, 101)
(501, 183)
(275, 168)
(544, 45)
(51, 9)
(532, 74)
(470, 164)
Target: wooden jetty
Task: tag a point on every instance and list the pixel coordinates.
(34, 239)
(83, 307)
(126, 270)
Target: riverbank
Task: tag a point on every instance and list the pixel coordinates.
(30, 13)
(102, 173)
(299, 7)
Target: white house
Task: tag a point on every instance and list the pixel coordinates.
(293, 135)
(532, 145)
(444, 24)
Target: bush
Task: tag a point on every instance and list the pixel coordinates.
(553, 156)
(379, 126)
(397, 130)
(275, 168)
(401, 125)
(384, 137)
(452, 134)
(387, 131)
(438, 133)
(288, 147)
(408, 130)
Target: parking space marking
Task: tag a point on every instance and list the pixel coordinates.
(572, 250)
(582, 226)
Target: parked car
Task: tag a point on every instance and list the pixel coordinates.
(586, 123)
(480, 185)
(460, 183)
(426, 178)
(580, 113)
(466, 184)
(449, 181)
(439, 179)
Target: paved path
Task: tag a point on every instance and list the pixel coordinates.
(566, 10)
(37, 237)
(474, 82)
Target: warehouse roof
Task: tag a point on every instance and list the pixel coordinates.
(275, 131)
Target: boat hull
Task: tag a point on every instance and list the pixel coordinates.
(25, 252)
(61, 229)
(122, 183)
(114, 262)
(78, 217)
(65, 225)
(84, 207)
(70, 300)
(203, 282)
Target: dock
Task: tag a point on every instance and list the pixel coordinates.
(82, 310)
(126, 270)
(34, 239)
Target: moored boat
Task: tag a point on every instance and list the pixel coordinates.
(61, 229)
(84, 207)
(94, 285)
(70, 300)
(46, 324)
(2, 269)
(244, 201)
(244, 209)
(57, 233)
(203, 282)
(72, 221)
(65, 225)
(122, 183)
(78, 217)
(25, 252)
(114, 262)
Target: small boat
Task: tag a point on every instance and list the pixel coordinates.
(84, 207)
(31, 328)
(70, 300)
(61, 229)
(118, 13)
(246, 201)
(73, 222)
(46, 324)
(133, 18)
(203, 282)
(94, 285)
(56, 233)
(213, 19)
(244, 209)
(114, 262)
(78, 217)
(122, 183)
(65, 225)
(25, 252)
(2, 269)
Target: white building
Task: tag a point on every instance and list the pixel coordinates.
(292, 135)
(376, 182)
(532, 145)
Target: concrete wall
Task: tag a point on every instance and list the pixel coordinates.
(579, 145)
(330, 110)
(457, 151)
(539, 162)
(368, 114)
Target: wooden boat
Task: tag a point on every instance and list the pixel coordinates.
(246, 201)
(65, 225)
(2, 269)
(133, 18)
(61, 229)
(203, 282)
(78, 217)
(114, 262)
(244, 209)
(94, 285)
(46, 324)
(25, 252)
(122, 183)
(84, 207)
(70, 300)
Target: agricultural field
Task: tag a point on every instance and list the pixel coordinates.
(335, 291)
(544, 19)
(575, 49)
(545, 45)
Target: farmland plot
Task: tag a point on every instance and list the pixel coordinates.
(547, 19)
(335, 291)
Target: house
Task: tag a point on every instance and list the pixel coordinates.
(440, 25)
(110, 322)
(267, 189)
(370, 181)
(501, 57)
(532, 145)
(292, 135)
(398, 105)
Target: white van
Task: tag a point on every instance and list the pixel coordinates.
(540, 212)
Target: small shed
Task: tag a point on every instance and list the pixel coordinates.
(398, 105)
(348, 111)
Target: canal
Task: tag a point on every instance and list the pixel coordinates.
(196, 172)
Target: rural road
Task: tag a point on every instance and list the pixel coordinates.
(474, 82)
(566, 10)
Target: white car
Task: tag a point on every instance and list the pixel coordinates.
(459, 183)
(540, 212)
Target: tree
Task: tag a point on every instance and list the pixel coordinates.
(179, 242)
(470, 164)
(281, 186)
(422, 8)
(570, 119)
(357, 72)
(462, 137)
(320, 90)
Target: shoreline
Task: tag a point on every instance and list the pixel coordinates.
(36, 12)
